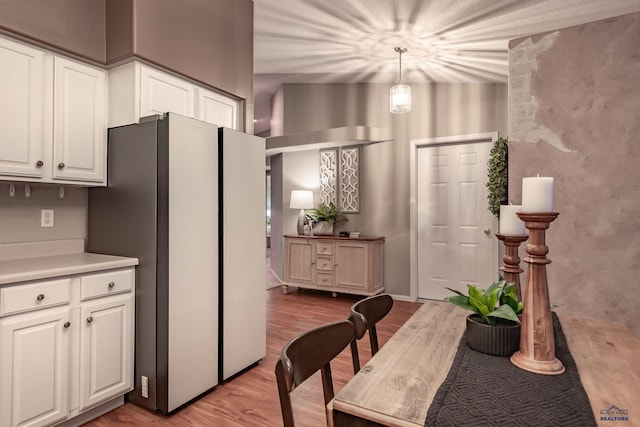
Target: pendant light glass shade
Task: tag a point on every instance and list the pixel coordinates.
(400, 94)
(400, 99)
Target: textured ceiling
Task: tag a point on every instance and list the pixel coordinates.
(447, 40)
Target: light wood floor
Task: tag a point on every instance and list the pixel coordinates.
(251, 399)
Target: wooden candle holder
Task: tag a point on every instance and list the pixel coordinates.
(537, 348)
(511, 260)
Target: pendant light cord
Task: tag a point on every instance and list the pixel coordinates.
(400, 51)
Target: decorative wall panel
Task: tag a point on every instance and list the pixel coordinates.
(328, 176)
(349, 180)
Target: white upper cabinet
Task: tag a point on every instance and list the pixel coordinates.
(163, 93)
(137, 90)
(21, 104)
(52, 117)
(79, 121)
(217, 109)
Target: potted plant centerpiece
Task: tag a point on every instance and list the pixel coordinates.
(324, 217)
(493, 327)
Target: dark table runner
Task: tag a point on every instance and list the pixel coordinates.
(483, 390)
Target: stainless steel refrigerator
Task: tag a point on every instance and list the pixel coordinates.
(163, 204)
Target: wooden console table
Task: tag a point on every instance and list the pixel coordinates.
(396, 387)
(352, 265)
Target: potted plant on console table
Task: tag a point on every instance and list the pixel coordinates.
(324, 217)
(493, 327)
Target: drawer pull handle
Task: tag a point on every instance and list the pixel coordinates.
(67, 324)
(61, 165)
(40, 297)
(111, 285)
(89, 319)
(39, 163)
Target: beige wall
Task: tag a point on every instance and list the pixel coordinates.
(20, 215)
(575, 103)
(210, 41)
(75, 26)
(438, 110)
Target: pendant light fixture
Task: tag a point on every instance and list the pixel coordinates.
(400, 95)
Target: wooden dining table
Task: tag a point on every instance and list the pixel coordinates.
(397, 385)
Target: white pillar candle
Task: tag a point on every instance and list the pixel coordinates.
(537, 194)
(510, 223)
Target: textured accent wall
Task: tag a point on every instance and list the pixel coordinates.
(584, 94)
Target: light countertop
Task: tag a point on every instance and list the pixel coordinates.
(46, 265)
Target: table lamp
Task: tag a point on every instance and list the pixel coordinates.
(301, 199)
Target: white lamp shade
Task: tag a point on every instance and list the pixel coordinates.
(400, 99)
(301, 199)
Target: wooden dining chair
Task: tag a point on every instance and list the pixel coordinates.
(304, 355)
(364, 315)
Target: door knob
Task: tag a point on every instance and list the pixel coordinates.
(487, 231)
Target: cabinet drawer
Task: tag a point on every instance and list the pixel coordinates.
(324, 263)
(33, 296)
(325, 279)
(108, 283)
(324, 248)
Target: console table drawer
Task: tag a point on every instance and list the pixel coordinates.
(325, 279)
(324, 264)
(324, 248)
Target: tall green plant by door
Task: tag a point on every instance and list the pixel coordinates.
(497, 176)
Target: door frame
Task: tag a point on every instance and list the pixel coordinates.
(416, 144)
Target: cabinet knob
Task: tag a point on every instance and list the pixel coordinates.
(40, 297)
(67, 324)
(89, 319)
(111, 285)
(61, 165)
(39, 163)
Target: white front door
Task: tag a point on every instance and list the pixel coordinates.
(455, 242)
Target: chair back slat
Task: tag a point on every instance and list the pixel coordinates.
(364, 316)
(304, 355)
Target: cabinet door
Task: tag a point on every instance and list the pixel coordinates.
(21, 106)
(300, 265)
(217, 109)
(79, 121)
(34, 368)
(352, 265)
(163, 93)
(106, 348)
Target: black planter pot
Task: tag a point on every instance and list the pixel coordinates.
(501, 339)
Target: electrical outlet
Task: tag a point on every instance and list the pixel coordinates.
(145, 387)
(46, 218)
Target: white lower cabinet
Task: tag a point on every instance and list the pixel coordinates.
(34, 368)
(105, 349)
(63, 354)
